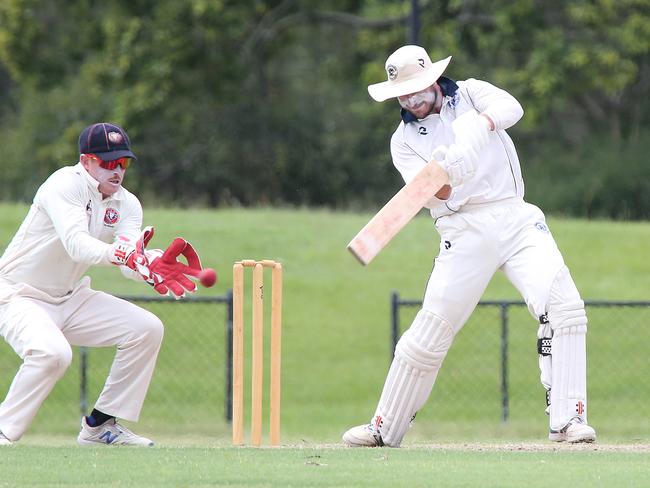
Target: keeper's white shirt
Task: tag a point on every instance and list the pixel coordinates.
(498, 173)
(68, 228)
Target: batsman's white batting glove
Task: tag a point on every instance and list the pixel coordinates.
(471, 130)
(459, 162)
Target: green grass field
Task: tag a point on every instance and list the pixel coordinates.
(335, 357)
(324, 466)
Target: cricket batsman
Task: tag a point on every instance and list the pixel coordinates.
(484, 225)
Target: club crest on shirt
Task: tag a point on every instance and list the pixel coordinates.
(111, 216)
(422, 131)
(541, 226)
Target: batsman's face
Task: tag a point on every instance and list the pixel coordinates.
(110, 180)
(420, 103)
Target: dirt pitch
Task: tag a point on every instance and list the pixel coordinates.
(506, 446)
(538, 447)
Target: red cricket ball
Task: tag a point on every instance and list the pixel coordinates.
(208, 277)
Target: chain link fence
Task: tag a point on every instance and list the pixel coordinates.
(491, 373)
(489, 378)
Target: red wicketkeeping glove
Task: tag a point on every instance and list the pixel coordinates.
(173, 274)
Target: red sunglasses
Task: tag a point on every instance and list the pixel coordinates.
(114, 163)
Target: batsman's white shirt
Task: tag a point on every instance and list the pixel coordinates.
(69, 227)
(498, 176)
(46, 304)
(485, 223)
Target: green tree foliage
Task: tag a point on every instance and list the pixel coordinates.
(264, 102)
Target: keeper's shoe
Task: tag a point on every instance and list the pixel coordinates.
(4, 441)
(575, 431)
(110, 433)
(363, 436)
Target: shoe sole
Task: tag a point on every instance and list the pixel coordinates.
(585, 439)
(357, 442)
(560, 437)
(83, 442)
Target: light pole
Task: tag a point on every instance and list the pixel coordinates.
(414, 23)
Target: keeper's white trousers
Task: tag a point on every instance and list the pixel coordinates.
(475, 243)
(42, 332)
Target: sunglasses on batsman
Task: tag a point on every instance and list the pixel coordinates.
(114, 163)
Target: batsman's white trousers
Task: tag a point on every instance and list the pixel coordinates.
(476, 243)
(512, 237)
(41, 332)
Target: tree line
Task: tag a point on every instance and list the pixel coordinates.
(256, 102)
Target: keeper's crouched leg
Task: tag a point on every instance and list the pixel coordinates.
(567, 317)
(418, 357)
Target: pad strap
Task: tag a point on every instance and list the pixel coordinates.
(544, 346)
(544, 342)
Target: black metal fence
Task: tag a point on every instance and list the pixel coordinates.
(494, 357)
(490, 376)
(223, 299)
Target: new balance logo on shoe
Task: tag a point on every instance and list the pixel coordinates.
(108, 437)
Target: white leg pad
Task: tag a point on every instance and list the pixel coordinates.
(567, 317)
(418, 357)
(544, 335)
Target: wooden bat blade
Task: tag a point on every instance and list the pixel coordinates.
(398, 212)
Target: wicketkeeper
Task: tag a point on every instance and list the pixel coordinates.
(484, 225)
(82, 216)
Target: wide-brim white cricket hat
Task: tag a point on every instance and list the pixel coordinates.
(409, 70)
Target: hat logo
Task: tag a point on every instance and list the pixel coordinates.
(392, 72)
(115, 137)
(421, 62)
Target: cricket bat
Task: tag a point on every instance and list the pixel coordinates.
(398, 212)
